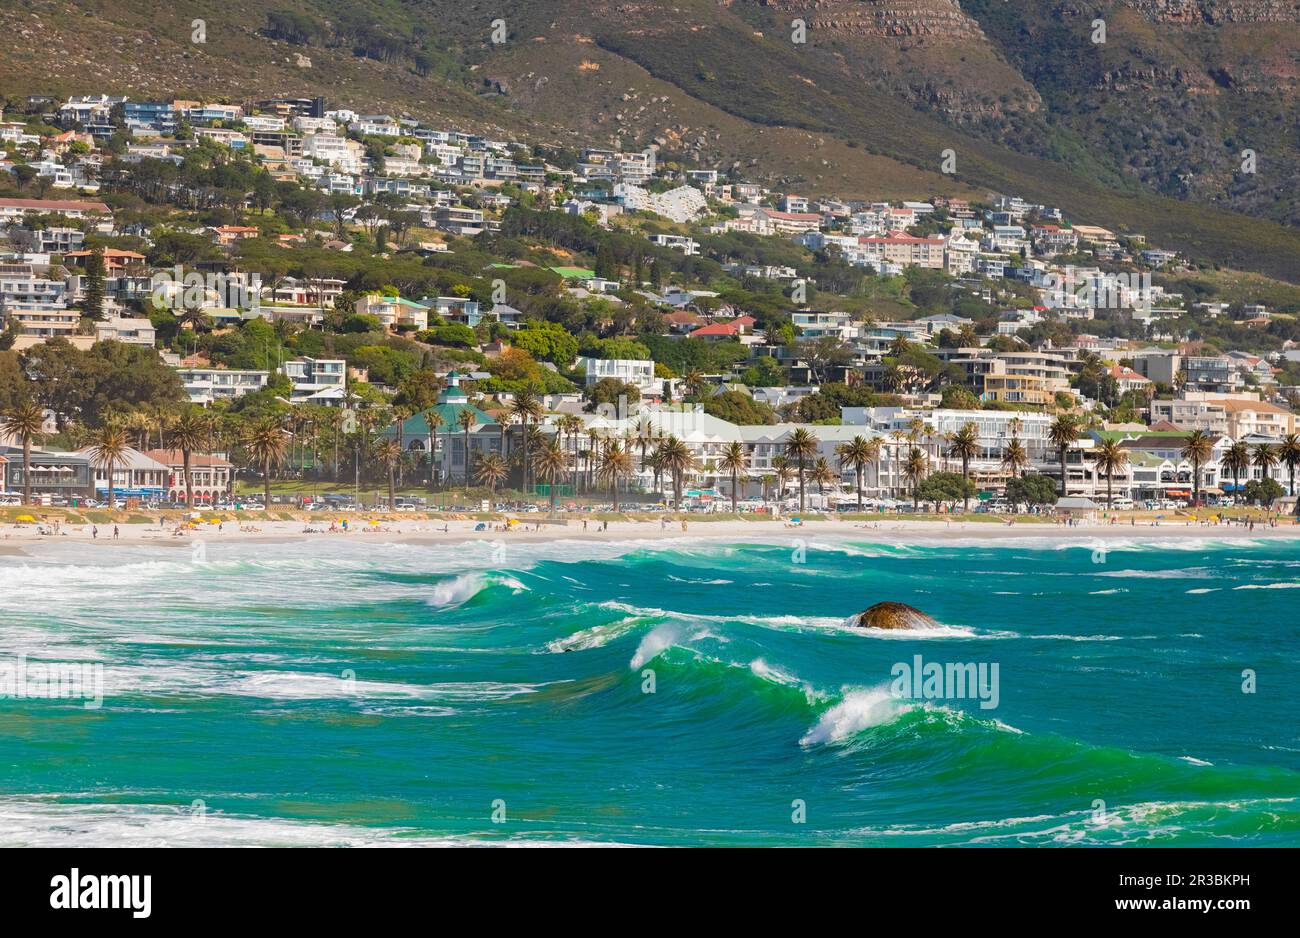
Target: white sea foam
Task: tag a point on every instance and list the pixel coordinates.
(774, 674)
(1268, 586)
(39, 823)
(1184, 573)
(167, 678)
(596, 636)
(654, 644)
(857, 711)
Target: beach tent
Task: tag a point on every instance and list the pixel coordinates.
(26, 519)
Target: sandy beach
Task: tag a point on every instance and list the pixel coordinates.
(14, 538)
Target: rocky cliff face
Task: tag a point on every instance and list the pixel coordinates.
(1217, 12)
(940, 20)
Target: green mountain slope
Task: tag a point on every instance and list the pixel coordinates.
(1142, 133)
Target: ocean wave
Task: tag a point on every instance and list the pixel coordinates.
(857, 711)
(595, 636)
(40, 823)
(798, 623)
(861, 709)
(465, 587)
(1182, 573)
(1113, 825)
(160, 678)
(654, 644)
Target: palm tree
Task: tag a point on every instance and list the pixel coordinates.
(551, 462)
(593, 450)
(265, 444)
(781, 466)
(139, 423)
(1063, 433)
(914, 469)
(572, 425)
(1111, 457)
(896, 437)
(678, 460)
(1236, 459)
(615, 463)
(189, 434)
(491, 471)
(527, 409)
(734, 459)
(504, 419)
(26, 422)
(467, 419)
(857, 454)
(1197, 447)
(108, 447)
(693, 380)
(1264, 458)
(656, 463)
(965, 446)
(433, 420)
(389, 452)
(1015, 458)
(801, 446)
(1289, 454)
(822, 475)
(644, 434)
(401, 414)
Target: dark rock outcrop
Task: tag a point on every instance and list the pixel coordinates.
(890, 615)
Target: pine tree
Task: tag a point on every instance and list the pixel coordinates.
(606, 267)
(94, 302)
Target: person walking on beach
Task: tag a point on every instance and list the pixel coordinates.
(114, 532)
(94, 532)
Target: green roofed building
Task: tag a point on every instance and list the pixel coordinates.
(573, 273)
(445, 435)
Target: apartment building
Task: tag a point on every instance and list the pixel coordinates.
(904, 250)
(394, 312)
(636, 372)
(319, 380)
(205, 385)
(1257, 418)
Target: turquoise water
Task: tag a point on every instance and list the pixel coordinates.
(334, 691)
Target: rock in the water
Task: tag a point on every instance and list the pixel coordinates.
(889, 615)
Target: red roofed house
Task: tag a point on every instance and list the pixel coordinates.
(229, 234)
(731, 329)
(16, 209)
(115, 262)
(1129, 380)
(683, 321)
